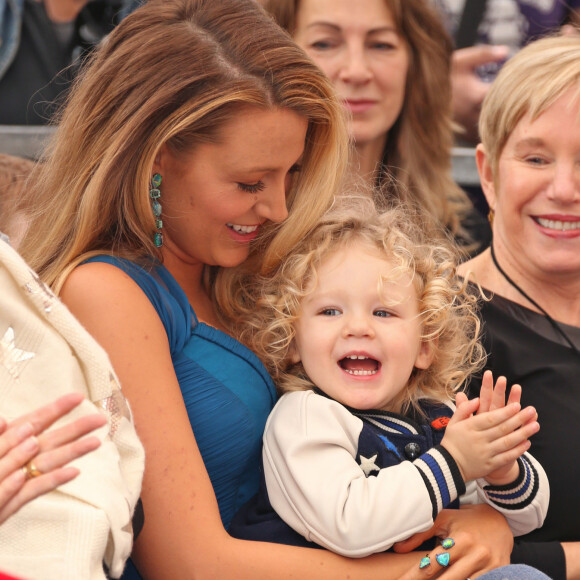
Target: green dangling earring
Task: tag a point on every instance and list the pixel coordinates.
(155, 195)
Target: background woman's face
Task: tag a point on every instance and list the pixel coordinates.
(359, 48)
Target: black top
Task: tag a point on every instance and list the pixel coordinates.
(523, 346)
(48, 58)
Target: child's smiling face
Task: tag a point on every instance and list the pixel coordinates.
(358, 338)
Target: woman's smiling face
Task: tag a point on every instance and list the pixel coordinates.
(215, 198)
(536, 192)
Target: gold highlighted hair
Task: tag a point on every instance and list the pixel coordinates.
(174, 72)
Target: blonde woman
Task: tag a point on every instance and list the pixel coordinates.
(198, 147)
(529, 164)
(389, 61)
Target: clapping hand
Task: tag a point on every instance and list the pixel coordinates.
(486, 435)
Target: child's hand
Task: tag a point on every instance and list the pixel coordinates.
(488, 444)
(491, 398)
(494, 398)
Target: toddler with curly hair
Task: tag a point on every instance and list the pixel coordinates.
(370, 336)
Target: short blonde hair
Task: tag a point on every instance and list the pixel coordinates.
(528, 83)
(448, 312)
(173, 73)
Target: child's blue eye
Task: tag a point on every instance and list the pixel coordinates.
(382, 313)
(330, 312)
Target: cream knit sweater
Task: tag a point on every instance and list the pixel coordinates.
(44, 353)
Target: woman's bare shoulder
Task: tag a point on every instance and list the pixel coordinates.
(112, 307)
(99, 285)
(94, 276)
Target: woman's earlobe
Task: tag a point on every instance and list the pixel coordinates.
(486, 176)
(159, 159)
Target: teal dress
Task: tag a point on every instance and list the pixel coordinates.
(226, 390)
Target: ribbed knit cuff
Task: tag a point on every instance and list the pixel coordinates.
(518, 494)
(441, 476)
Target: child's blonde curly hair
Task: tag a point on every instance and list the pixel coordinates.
(410, 241)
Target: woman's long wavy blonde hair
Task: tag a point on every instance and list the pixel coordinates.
(174, 72)
(418, 151)
(404, 236)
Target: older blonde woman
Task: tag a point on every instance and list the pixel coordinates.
(529, 163)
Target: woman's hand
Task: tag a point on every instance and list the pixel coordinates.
(468, 89)
(32, 461)
(483, 541)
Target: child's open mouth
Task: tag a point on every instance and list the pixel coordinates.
(359, 365)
